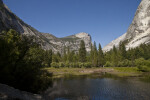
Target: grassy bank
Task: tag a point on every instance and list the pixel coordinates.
(118, 71)
(126, 71)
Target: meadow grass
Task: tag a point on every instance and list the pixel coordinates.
(118, 71)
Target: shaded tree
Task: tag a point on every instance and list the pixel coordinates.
(95, 55)
(82, 52)
(100, 56)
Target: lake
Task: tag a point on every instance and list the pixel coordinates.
(98, 88)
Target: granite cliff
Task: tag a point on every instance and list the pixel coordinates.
(139, 30)
(8, 20)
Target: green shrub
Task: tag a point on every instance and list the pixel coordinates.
(61, 64)
(55, 65)
(81, 65)
(144, 68)
(125, 63)
(76, 65)
(108, 64)
(142, 64)
(67, 64)
(87, 65)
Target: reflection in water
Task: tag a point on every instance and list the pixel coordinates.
(98, 89)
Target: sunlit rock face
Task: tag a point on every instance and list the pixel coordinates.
(73, 42)
(139, 30)
(115, 43)
(8, 20)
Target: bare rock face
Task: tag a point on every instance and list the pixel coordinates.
(115, 43)
(9, 20)
(87, 39)
(73, 42)
(10, 93)
(139, 31)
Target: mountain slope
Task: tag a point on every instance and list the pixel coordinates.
(9, 20)
(139, 30)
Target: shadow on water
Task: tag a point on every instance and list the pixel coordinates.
(99, 87)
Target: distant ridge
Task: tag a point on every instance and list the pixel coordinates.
(8, 20)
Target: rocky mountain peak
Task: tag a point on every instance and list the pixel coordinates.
(139, 30)
(8, 20)
(82, 35)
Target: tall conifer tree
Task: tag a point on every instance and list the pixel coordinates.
(100, 56)
(95, 55)
(82, 52)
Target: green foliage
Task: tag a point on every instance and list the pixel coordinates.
(67, 64)
(142, 64)
(95, 56)
(144, 68)
(48, 58)
(122, 50)
(56, 58)
(108, 64)
(119, 57)
(125, 63)
(82, 52)
(20, 62)
(55, 64)
(101, 60)
(87, 65)
(74, 65)
(61, 64)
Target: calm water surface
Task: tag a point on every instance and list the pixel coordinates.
(99, 88)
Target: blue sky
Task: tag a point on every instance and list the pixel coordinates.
(104, 20)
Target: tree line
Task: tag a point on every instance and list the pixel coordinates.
(116, 57)
(22, 60)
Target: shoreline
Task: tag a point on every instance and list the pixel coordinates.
(117, 71)
(8, 92)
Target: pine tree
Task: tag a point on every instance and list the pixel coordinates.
(122, 50)
(100, 56)
(64, 55)
(48, 57)
(95, 55)
(71, 56)
(91, 54)
(68, 54)
(82, 52)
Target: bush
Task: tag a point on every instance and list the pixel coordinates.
(87, 65)
(142, 64)
(125, 63)
(61, 64)
(144, 68)
(55, 65)
(67, 64)
(108, 64)
(76, 65)
(81, 65)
